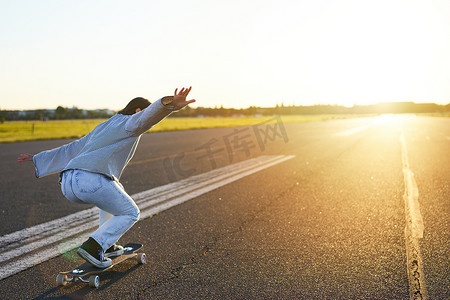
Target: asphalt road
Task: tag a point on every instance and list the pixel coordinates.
(328, 223)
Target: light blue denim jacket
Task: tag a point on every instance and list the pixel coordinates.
(107, 149)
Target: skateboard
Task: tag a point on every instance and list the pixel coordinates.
(87, 273)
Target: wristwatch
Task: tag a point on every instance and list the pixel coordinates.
(167, 101)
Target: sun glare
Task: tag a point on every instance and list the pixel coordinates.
(252, 53)
(370, 54)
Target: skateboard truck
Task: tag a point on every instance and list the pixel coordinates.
(82, 272)
(94, 280)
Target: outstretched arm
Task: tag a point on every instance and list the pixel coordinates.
(179, 99)
(144, 120)
(54, 160)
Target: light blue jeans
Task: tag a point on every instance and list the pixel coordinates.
(118, 212)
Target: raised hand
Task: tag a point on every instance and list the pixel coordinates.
(179, 98)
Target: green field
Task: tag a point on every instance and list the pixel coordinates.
(17, 131)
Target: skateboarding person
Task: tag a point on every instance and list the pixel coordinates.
(90, 169)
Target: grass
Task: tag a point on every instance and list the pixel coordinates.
(438, 114)
(17, 131)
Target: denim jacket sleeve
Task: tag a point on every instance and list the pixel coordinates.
(142, 121)
(53, 161)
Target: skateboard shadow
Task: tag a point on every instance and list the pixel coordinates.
(80, 290)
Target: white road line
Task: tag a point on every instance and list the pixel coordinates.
(38, 236)
(34, 259)
(39, 231)
(351, 131)
(413, 230)
(209, 186)
(377, 121)
(28, 247)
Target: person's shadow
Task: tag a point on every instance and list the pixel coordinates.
(107, 279)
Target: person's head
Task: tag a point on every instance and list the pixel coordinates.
(134, 106)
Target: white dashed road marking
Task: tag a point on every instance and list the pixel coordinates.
(414, 229)
(28, 247)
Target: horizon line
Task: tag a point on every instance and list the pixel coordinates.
(251, 106)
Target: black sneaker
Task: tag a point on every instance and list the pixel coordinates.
(93, 253)
(114, 250)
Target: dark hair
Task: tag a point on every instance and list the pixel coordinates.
(131, 107)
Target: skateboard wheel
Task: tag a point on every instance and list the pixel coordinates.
(141, 258)
(94, 281)
(61, 279)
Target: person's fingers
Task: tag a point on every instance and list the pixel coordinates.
(23, 157)
(183, 92)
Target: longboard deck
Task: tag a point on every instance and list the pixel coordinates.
(87, 269)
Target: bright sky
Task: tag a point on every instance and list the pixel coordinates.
(235, 53)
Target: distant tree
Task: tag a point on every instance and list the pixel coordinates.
(38, 115)
(60, 113)
(75, 113)
(3, 116)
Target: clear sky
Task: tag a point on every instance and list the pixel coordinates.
(235, 53)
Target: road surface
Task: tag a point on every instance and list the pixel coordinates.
(344, 209)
